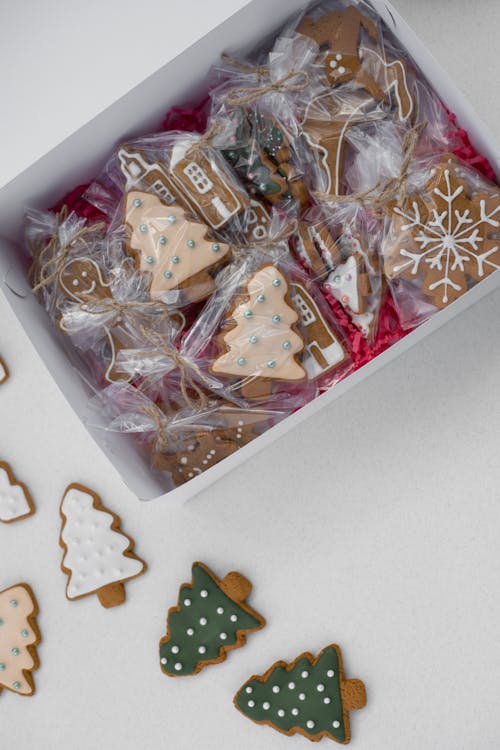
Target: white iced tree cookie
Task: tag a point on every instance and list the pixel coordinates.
(19, 636)
(98, 556)
(262, 344)
(15, 499)
(175, 250)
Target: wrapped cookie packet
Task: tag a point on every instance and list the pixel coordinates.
(221, 273)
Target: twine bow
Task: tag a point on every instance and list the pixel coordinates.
(160, 426)
(50, 260)
(184, 365)
(93, 304)
(259, 70)
(250, 94)
(378, 201)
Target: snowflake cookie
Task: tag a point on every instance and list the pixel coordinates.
(211, 619)
(309, 696)
(447, 238)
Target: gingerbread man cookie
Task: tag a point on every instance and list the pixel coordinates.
(339, 33)
(172, 248)
(262, 345)
(82, 279)
(445, 238)
(15, 499)
(206, 448)
(98, 556)
(19, 638)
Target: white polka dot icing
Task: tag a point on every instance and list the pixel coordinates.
(84, 550)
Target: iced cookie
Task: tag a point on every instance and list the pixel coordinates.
(98, 556)
(15, 500)
(309, 696)
(175, 250)
(210, 619)
(19, 637)
(262, 345)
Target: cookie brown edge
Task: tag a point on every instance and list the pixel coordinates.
(6, 371)
(242, 298)
(32, 648)
(13, 480)
(115, 526)
(288, 668)
(241, 640)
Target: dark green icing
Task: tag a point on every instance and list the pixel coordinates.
(311, 708)
(207, 636)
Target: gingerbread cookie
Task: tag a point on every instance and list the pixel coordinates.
(349, 284)
(262, 345)
(19, 638)
(323, 350)
(15, 500)
(327, 121)
(210, 619)
(141, 174)
(206, 448)
(309, 696)
(392, 77)
(4, 372)
(173, 249)
(81, 279)
(316, 248)
(257, 222)
(98, 556)
(446, 238)
(204, 184)
(338, 33)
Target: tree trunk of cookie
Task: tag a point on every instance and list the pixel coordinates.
(112, 595)
(236, 587)
(353, 695)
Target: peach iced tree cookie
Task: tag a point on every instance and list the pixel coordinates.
(15, 500)
(262, 344)
(211, 619)
(446, 238)
(310, 697)
(19, 637)
(98, 556)
(175, 250)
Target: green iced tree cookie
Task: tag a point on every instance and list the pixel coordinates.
(210, 619)
(309, 696)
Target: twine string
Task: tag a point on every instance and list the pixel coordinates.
(160, 426)
(50, 260)
(184, 365)
(259, 70)
(250, 94)
(378, 201)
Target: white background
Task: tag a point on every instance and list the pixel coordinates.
(374, 525)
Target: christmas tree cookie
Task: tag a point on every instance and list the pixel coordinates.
(4, 372)
(310, 696)
(19, 637)
(211, 618)
(172, 248)
(98, 556)
(15, 499)
(262, 344)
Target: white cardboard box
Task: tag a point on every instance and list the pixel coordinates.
(80, 157)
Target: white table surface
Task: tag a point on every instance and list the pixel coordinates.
(374, 525)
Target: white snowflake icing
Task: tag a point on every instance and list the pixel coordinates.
(449, 241)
